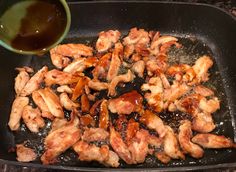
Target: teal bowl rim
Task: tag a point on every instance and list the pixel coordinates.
(41, 51)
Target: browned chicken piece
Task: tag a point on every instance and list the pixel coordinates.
(161, 156)
(209, 106)
(32, 118)
(189, 104)
(60, 140)
(178, 69)
(119, 146)
(90, 152)
(79, 88)
(87, 120)
(175, 91)
(52, 101)
(161, 41)
(95, 108)
(120, 124)
(58, 123)
(138, 68)
(80, 64)
(95, 134)
(154, 141)
(203, 122)
(104, 115)
(25, 154)
(107, 39)
(128, 50)
(201, 68)
(165, 47)
(203, 91)
(126, 103)
(61, 78)
(171, 146)
(128, 77)
(115, 62)
(85, 105)
(38, 100)
(136, 57)
(164, 80)
(64, 88)
(136, 36)
(16, 112)
(156, 65)
(139, 146)
(97, 85)
(213, 141)
(25, 68)
(73, 50)
(34, 82)
(67, 103)
(172, 107)
(152, 121)
(184, 137)
(131, 131)
(101, 69)
(20, 81)
(154, 98)
(58, 60)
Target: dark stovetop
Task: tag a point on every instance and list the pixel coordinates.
(227, 5)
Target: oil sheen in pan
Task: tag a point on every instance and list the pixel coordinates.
(190, 51)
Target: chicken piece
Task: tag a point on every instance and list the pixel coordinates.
(201, 68)
(121, 124)
(161, 156)
(25, 154)
(212, 141)
(52, 101)
(85, 105)
(157, 64)
(97, 85)
(138, 68)
(166, 46)
(32, 118)
(34, 82)
(79, 88)
(25, 68)
(20, 81)
(189, 104)
(104, 115)
(73, 50)
(178, 69)
(95, 134)
(61, 78)
(209, 106)
(64, 88)
(128, 77)
(115, 62)
(175, 91)
(101, 154)
(60, 140)
(128, 50)
(95, 108)
(119, 146)
(38, 100)
(152, 121)
(126, 103)
(58, 60)
(161, 41)
(139, 147)
(136, 57)
(184, 137)
(80, 64)
(87, 120)
(101, 69)
(203, 122)
(136, 36)
(171, 146)
(16, 112)
(165, 81)
(154, 141)
(107, 39)
(203, 91)
(58, 123)
(154, 98)
(131, 131)
(67, 103)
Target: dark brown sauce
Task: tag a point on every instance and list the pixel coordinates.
(42, 26)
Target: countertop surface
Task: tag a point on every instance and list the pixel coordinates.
(227, 5)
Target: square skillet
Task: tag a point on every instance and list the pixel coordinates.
(213, 28)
